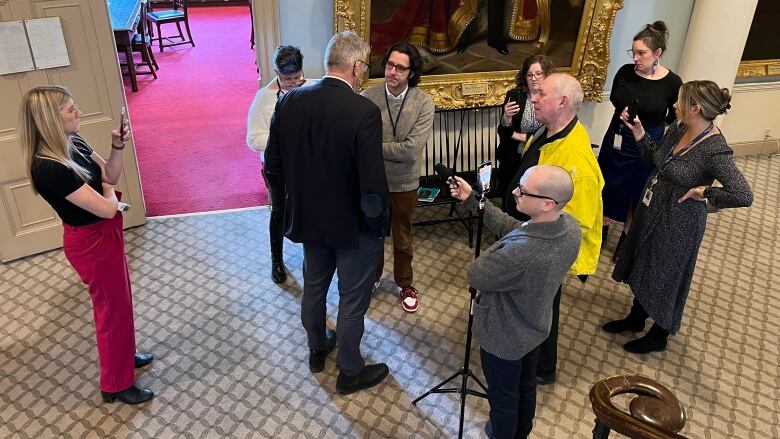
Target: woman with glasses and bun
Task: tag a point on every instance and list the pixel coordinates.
(288, 65)
(79, 185)
(650, 90)
(518, 120)
(659, 254)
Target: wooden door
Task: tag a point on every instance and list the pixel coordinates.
(27, 224)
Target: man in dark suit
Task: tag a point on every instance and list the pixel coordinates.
(326, 143)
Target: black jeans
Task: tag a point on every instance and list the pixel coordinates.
(511, 393)
(548, 350)
(275, 187)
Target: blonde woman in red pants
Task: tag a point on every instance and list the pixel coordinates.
(79, 185)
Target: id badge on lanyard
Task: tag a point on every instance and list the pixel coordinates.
(649, 192)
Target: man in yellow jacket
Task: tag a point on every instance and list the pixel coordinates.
(563, 141)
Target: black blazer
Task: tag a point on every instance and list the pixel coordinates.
(326, 144)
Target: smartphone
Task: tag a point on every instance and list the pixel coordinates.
(122, 118)
(633, 106)
(445, 173)
(513, 95)
(484, 173)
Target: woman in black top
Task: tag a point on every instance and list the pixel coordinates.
(518, 120)
(79, 185)
(659, 255)
(653, 89)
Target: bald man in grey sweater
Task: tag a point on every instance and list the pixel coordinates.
(517, 278)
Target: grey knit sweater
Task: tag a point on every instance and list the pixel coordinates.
(403, 151)
(517, 278)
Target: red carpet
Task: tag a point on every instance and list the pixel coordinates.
(190, 123)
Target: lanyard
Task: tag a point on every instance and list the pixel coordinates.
(685, 149)
(394, 123)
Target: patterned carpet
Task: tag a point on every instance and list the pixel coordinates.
(231, 356)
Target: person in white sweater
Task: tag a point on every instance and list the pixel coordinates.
(288, 65)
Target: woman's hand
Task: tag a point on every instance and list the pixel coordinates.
(510, 109)
(694, 193)
(636, 128)
(520, 137)
(117, 140)
(460, 191)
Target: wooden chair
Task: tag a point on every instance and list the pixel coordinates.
(177, 14)
(140, 43)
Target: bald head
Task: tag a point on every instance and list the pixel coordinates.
(567, 86)
(551, 181)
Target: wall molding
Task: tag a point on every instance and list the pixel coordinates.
(756, 87)
(754, 147)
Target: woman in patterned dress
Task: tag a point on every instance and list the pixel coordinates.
(659, 254)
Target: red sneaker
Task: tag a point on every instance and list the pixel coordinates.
(408, 297)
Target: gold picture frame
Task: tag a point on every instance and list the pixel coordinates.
(469, 90)
(758, 69)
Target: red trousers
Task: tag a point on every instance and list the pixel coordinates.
(97, 253)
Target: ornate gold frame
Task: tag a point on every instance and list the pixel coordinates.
(467, 90)
(758, 69)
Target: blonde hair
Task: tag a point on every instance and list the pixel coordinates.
(42, 131)
(711, 99)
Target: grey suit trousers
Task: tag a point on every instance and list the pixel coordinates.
(355, 270)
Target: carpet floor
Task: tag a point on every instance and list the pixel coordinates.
(232, 357)
(189, 124)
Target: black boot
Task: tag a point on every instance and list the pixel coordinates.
(653, 341)
(278, 272)
(634, 322)
(617, 247)
(131, 395)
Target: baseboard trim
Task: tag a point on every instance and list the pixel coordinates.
(753, 147)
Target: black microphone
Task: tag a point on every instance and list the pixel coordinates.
(445, 173)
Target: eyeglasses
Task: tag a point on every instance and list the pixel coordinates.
(525, 193)
(365, 65)
(398, 67)
(640, 53)
(537, 75)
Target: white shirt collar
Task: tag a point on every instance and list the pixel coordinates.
(400, 97)
(340, 79)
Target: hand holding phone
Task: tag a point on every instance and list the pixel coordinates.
(633, 106)
(122, 121)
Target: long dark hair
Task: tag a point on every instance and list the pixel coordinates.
(544, 61)
(415, 60)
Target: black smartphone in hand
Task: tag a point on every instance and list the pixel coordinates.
(445, 173)
(514, 96)
(122, 118)
(633, 106)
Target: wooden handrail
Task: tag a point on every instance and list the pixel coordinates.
(654, 414)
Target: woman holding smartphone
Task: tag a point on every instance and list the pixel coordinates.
(649, 90)
(517, 120)
(79, 185)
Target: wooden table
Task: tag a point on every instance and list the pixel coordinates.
(125, 16)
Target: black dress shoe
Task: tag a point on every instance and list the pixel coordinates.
(317, 358)
(624, 325)
(142, 359)
(544, 380)
(131, 395)
(369, 376)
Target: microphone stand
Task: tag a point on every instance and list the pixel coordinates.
(465, 372)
